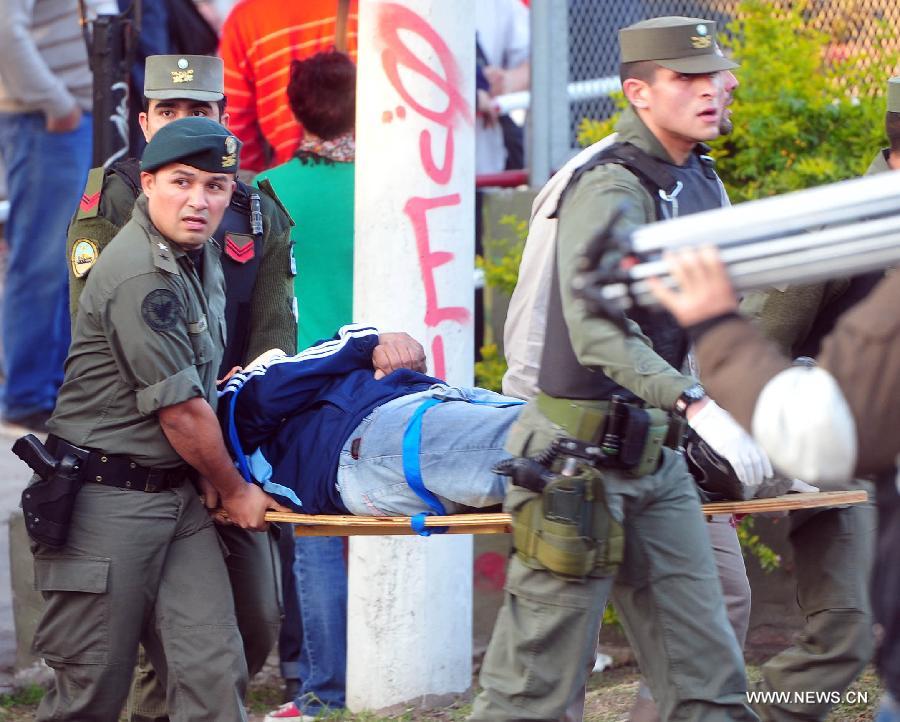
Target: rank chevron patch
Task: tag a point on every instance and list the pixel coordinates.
(89, 201)
(239, 248)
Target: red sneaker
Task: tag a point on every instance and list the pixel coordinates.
(287, 711)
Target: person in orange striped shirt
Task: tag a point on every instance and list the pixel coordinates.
(259, 40)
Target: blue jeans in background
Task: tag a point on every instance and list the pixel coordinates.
(889, 711)
(290, 639)
(320, 574)
(45, 175)
(460, 443)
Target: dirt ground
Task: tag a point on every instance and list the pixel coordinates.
(609, 698)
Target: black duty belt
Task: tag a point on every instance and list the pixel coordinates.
(117, 470)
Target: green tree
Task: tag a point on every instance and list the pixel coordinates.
(803, 115)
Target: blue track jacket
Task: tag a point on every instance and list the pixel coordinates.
(287, 420)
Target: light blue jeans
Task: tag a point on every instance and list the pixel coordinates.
(460, 443)
(46, 173)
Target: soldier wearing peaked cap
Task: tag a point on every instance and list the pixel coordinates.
(137, 409)
(833, 548)
(827, 423)
(889, 158)
(254, 235)
(630, 526)
(257, 261)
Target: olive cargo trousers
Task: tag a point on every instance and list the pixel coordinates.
(669, 599)
(254, 571)
(833, 551)
(145, 569)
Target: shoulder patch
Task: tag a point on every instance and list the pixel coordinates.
(84, 255)
(90, 199)
(161, 310)
(265, 185)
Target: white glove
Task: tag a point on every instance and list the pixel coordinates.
(726, 437)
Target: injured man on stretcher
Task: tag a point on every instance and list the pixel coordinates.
(320, 433)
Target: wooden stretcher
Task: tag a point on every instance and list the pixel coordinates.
(499, 523)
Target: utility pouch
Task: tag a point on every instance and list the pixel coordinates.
(656, 430)
(643, 433)
(48, 502)
(634, 437)
(568, 530)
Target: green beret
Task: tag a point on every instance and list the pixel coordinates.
(196, 77)
(685, 45)
(893, 95)
(198, 142)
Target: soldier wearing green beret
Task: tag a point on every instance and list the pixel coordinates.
(260, 313)
(630, 527)
(141, 563)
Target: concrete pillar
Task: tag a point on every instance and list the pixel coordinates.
(410, 598)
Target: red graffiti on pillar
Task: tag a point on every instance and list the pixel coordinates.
(417, 211)
(393, 22)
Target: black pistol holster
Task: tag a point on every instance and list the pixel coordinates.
(49, 500)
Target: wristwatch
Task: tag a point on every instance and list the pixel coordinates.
(690, 395)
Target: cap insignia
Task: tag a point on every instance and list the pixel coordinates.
(183, 63)
(230, 145)
(183, 76)
(701, 30)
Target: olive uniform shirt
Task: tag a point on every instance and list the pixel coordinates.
(630, 361)
(272, 320)
(150, 334)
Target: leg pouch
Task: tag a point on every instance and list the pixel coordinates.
(569, 530)
(74, 627)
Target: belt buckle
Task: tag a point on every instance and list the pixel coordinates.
(153, 482)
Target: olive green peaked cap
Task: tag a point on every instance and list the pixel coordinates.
(685, 45)
(196, 77)
(198, 142)
(893, 95)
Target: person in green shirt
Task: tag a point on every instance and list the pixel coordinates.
(317, 188)
(141, 563)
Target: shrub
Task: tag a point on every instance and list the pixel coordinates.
(804, 115)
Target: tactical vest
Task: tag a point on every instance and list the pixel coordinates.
(676, 192)
(241, 250)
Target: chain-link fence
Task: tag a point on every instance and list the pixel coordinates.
(580, 45)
